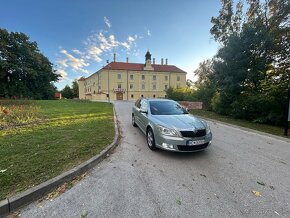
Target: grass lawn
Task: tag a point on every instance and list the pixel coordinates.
(275, 130)
(69, 133)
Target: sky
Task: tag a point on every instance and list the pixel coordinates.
(78, 37)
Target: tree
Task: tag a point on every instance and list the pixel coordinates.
(189, 84)
(24, 70)
(222, 24)
(205, 84)
(67, 92)
(75, 89)
(251, 71)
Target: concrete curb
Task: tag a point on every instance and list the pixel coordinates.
(247, 129)
(12, 204)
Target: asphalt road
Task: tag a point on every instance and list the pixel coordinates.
(137, 182)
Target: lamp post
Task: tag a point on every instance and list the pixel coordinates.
(108, 80)
(287, 113)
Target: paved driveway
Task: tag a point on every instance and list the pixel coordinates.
(137, 182)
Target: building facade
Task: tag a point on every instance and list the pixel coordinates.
(130, 81)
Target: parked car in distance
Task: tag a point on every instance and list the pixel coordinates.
(167, 125)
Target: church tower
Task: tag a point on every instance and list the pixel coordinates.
(148, 65)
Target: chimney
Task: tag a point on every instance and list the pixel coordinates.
(161, 61)
(153, 60)
(127, 60)
(114, 57)
(166, 61)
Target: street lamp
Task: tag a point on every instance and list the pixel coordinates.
(287, 113)
(108, 80)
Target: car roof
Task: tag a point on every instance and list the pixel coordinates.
(157, 99)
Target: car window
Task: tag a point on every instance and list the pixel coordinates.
(144, 105)
(166, 108)
(138, 103)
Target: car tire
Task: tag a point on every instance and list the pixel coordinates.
(151, 140)
(133, 121)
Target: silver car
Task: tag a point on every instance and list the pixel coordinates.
(169, 126)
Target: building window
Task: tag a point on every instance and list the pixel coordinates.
(166, 78)
(178, 78)
(165, 87)
(154, 77)
(119, 76)
(154, 86)
(143, 86)
(100, 87)
(131, 77)
(131, 86)
(119, 86)
(132, 96)
(153, 96)
(143, 77)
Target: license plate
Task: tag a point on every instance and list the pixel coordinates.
(197, 142)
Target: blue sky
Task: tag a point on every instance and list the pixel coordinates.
(79, 36)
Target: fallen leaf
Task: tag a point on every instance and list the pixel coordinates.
(2, 171)
(256, 193)
(84, 214)
(203, 175)
(261, 183)
(178, 201)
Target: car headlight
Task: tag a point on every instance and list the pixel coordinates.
(208, 130)
(167, 131)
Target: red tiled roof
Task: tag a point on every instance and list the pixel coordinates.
(82, 79)
(57, 94)
(140, 67)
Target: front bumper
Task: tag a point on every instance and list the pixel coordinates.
(181, 144)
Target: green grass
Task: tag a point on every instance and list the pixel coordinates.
(275, 130)
(70, 132)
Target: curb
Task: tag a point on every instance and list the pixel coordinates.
(247, 129)
(12, 204)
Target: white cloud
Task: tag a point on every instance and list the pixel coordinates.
(96, 47)
(69, 60)
(149, 33)
(107, 22)
(62, 73)
(76, 51)
(131, 39)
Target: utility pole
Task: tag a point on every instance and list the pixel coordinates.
(287, 113)
(108, 81)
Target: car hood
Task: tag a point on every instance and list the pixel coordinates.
(181, 122)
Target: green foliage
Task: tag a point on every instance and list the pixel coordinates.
(67, 92)
(181, 94)
(24, 71)
(205, 85)
(249, 75)
(75, 89)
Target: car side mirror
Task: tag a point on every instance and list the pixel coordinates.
(144, 111)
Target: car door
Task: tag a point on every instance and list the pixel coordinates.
(136, 111)
(143, 115)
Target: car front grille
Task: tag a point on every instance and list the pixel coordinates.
(192, 148)
(192, 134)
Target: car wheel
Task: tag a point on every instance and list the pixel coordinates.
(151, 139)
(133, 121)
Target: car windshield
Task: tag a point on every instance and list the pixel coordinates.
(166, 108)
